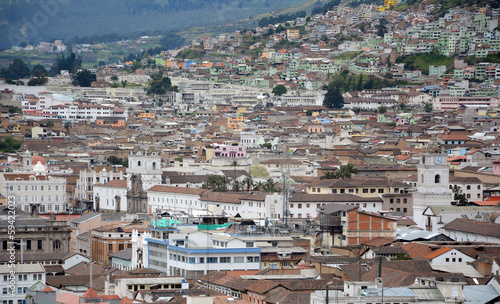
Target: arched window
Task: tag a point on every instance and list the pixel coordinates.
(437, 179)
(154, 165)
(405, 201)
(422, 178)
(398, 209)
(56, 244)
(405, 210)
(139, 163)
(398, 201)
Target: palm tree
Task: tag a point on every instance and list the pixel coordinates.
(329, 175)
(259, 186)
(345, 172)
(269, 186)
(234, 163)
(248, 182)
(237, 185)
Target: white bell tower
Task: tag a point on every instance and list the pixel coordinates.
(433, 187)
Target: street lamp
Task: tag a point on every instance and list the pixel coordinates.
(336, 292)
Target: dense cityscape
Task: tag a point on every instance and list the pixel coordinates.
(348, 153)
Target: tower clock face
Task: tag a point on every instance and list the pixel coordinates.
(438, 160)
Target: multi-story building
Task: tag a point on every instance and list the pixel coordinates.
(35, 193)
(35, 235)
(113, 238)
(449, 103)
(24, 276)
(343, 225)
(88, 178)
(75, 112)
(81, 225)
(195, 253)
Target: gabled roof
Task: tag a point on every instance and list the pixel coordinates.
(90, 294)
(474, 227)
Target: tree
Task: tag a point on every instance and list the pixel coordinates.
(360, 82)
(17, 69)
(401, 257)
(113, 160)
(124, 83)
(382, 109)
(216, 183)
(279, 90)
(309, 113)
(68, 125)
(329, 175)
(428, 107)
(345, 172)
(84, 78)
(9, 144)
(50, 124)
(38, 69)
(458, 196)
(114, 78)
(248, 183)
(333, 99)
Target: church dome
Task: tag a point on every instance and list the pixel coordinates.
(39, 169)
(35, 159)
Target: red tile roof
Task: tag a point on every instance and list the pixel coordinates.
(90, 293)
(438, 252)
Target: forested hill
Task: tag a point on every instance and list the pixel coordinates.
(41, 20)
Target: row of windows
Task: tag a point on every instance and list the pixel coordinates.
(213, 260)
(34, 198)
(28, 244)
(34, 188)
(24, 277)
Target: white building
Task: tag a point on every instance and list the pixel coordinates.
(111, 196)
(88, 178)
(168, 198)
(194, 253)
(15, 284)
(432, 188)
(32, 191)
(148, 166)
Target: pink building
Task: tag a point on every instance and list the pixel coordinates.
(496, 167)
(450, 103)
(232, 151)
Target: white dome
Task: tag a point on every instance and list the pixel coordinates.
(39, 169)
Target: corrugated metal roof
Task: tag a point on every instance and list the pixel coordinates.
(479, 294)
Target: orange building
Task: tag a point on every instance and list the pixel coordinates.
(147, 115)
(235, 122)
(113, 238)
(111, 121)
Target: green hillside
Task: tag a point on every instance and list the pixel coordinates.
(26, 21)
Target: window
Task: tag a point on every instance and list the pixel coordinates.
(391, 201)
(252, 259)
(39, 244)
(437, 179)
(478, 187)
(249, 244)
(191, 260)
(212, 260)
(373, 190)
(121, 246)
(225, 259)
(365, 190)
(447, 259)
(239, 260)
(468, 187)
(405, 201)
(28, 245)
(299, 206)
(110, 247)
(380, 190)
(460, 259)
(405, 210)
(201, 260)
(56, 244)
